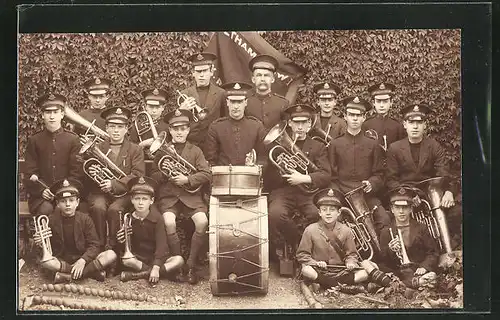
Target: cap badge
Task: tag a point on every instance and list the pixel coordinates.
(118, 111)
(199, 57)
(402, 191)
(326, 86)
(156, 92)
(177, 113)
(97, 81)
(141, 180)
(298, 109)
(416, 109)
(65, 183)
(356, 100)
(237, 86)
(382, 86)
(52, 97)
(330, 193)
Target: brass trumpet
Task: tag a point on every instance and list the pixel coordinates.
(402, 255)
(143, 124)
(104, 168)
(370, 133)
(42, 226)
(198, 112)
(172, 164)
(127, 223)
(287, 157)
(91, 128)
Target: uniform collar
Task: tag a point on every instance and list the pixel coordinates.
(328, 227)
(54, 132)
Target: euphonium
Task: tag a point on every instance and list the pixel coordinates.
(127, 223)
(362, 213)
(198, 112)
(73, 117)
(361, 236)
(286, 156)
(370, 133)
(318, 134)
(172, 164)
(433, 189)
(402, 255)
(42, 225)
(143, 124)
(424, 215)
(106, 169)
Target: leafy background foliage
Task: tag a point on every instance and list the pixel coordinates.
(423, 64)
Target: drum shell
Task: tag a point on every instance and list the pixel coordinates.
(229, 248)
(236, 180)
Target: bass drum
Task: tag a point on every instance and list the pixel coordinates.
(239, 246)
(236, 180)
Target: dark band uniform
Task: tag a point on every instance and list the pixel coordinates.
(154, 97)
(94, 86)
(357, 158)
(212, 98)
(51, 156)
(129, 157)
(284, 198)
(421, 248)
(268, 108)
(317, 243)
(386, 125)
(229, 140)
(337, 125)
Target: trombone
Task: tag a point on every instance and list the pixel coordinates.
(198, 112)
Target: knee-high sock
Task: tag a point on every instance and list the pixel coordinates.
(174, 244)
(196, 244)
(92, 267)
(325, 281)
(65, 267)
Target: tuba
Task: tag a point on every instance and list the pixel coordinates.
(286, 156)
(172, 164)
(127, 223)
(370, 133)
(143, 124)
(402, 255)
(318, 134)
(41, 226)
(106, 169)
(433, 189)
(362, 213)
(91, 128)
(198, 112)
(361, 235)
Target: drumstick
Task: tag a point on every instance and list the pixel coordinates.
(34, 178)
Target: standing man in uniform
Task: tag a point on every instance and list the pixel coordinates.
(51, 155)
(108, 198)
(326, 119)
(388, 128)
(180, 194)
(231, 138)
(418, 157)
(154, 105)
(286, 195)
(356, 159)
(264, 104)
(204, 94)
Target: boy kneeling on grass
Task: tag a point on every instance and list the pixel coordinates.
(327, 245)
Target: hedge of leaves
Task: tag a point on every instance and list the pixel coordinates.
(423, 64)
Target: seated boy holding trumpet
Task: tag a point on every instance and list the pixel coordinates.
(73, 252)
(327, 250)
(144, 237)
(407, 246)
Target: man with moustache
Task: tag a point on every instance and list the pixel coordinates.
(231, 138)
(206, 95)
(326, 119)
(264, 104)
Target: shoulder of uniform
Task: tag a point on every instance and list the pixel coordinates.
(253, 118)
(312, 226)
(371, 116)
(69, 131)
(278, 95)
(220, 120)
(37, 133)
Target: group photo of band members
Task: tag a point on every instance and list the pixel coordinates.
(335, 190)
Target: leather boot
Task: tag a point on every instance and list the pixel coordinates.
(61, 277)
(191, 276)
(99, 275)
(127, 275)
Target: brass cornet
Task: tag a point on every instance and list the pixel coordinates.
(143, 124)
(402, 255)
(198, 112)
(127, 223)
(42, 226)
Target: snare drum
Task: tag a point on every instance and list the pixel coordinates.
(236, 180)
(238, 239)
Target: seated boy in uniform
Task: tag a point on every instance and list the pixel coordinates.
(73, 238)
(328, 245)
(416, 264)
(148, 240)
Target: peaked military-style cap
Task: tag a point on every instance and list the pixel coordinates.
(65, 188)
(51, 102)
(416, 111)
(328, 196)
(97, 86)
(356, 103)
(202, 58)
(263, 61)
(142, 185)
(382, 90)
(236, 90)
(402, 196)
(178, 117)
(300, 112)
(326, 89)
(155, 97)
(119, 115)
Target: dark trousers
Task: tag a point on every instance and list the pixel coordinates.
(106, 208)
(283, 202)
